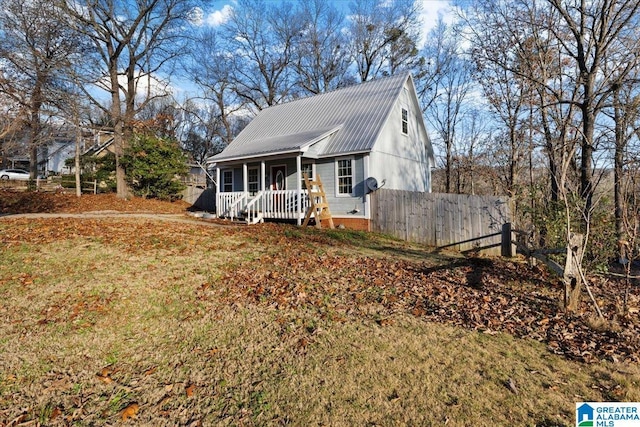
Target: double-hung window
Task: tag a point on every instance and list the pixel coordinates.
(405, 121)
(253, 181)
(307, 168)
(344, 177)
(227, 181)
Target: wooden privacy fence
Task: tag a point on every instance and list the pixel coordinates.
(452, 221)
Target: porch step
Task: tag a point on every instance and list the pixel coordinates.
(258, 218)
(242, 218)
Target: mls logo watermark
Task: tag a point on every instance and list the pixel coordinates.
(607, 414)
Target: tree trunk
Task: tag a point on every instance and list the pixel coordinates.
(618, 173)
(77, 160)
(586, 174)
(122, 191)
(447, 166)
(571, 277)
(588, 128)
(34, 139)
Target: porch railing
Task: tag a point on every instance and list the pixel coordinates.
(283, 204)
(231, 204)
(253, 210)
(271, 204)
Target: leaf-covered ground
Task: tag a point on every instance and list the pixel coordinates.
(114, 319)
(21, 202)
(490, 295)
(477, 293)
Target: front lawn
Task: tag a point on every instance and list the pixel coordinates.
(175, 323)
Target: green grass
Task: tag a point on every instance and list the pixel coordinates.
(143, 304)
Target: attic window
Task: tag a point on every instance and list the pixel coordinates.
(405, 121)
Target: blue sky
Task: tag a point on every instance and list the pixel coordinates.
(431, 10)
(218, 11)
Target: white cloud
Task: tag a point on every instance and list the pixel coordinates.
(219, 17)
(196, 16)
(432, 10)
(145, 84)
(149, 85)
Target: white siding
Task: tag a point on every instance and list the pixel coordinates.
(343, 206)
(403, 161)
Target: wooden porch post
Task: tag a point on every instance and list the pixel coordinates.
(263, 178)
(217, 183)
(245, 177)
(299, 187)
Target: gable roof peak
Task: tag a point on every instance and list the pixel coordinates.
(359, 111)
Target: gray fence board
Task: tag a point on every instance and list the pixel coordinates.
(452, 221)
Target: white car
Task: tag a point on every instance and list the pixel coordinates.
(19, 174)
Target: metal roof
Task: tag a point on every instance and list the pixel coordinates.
(346, 121)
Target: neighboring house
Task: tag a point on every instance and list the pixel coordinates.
(62, 146)
(102, 145)
(353, 139)
(54, 156)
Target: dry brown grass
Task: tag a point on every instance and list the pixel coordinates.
(115, 321)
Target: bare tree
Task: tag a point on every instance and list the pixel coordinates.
(261, 37)
(322, 55)
(572, 55)
(212, 116)
(629, 227)
(595, 35)
(133, 42)
(11, 122)
(596, 45)
(36, 49)
(625, 114)
(385, 36)
(507, 95)
(475, 139)
(446, 92)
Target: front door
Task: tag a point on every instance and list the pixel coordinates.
(278, 182)
(279, 177)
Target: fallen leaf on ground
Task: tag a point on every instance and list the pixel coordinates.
(130, 411)
(105, 374)
(190, 390)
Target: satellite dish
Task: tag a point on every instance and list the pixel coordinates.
(371, 183)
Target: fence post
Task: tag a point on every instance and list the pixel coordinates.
(506, 245)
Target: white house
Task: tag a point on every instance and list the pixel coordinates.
(355, 139)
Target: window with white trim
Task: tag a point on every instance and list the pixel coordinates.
(308, 169)
(405, 121)
(253, 181)
(227, 181)
(344, 177)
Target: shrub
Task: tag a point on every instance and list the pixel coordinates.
(153, 167)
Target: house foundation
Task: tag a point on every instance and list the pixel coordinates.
(350, 223)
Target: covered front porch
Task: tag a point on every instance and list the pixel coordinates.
(268, 189)
(266, 204)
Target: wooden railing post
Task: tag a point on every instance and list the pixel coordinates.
(506, 245)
